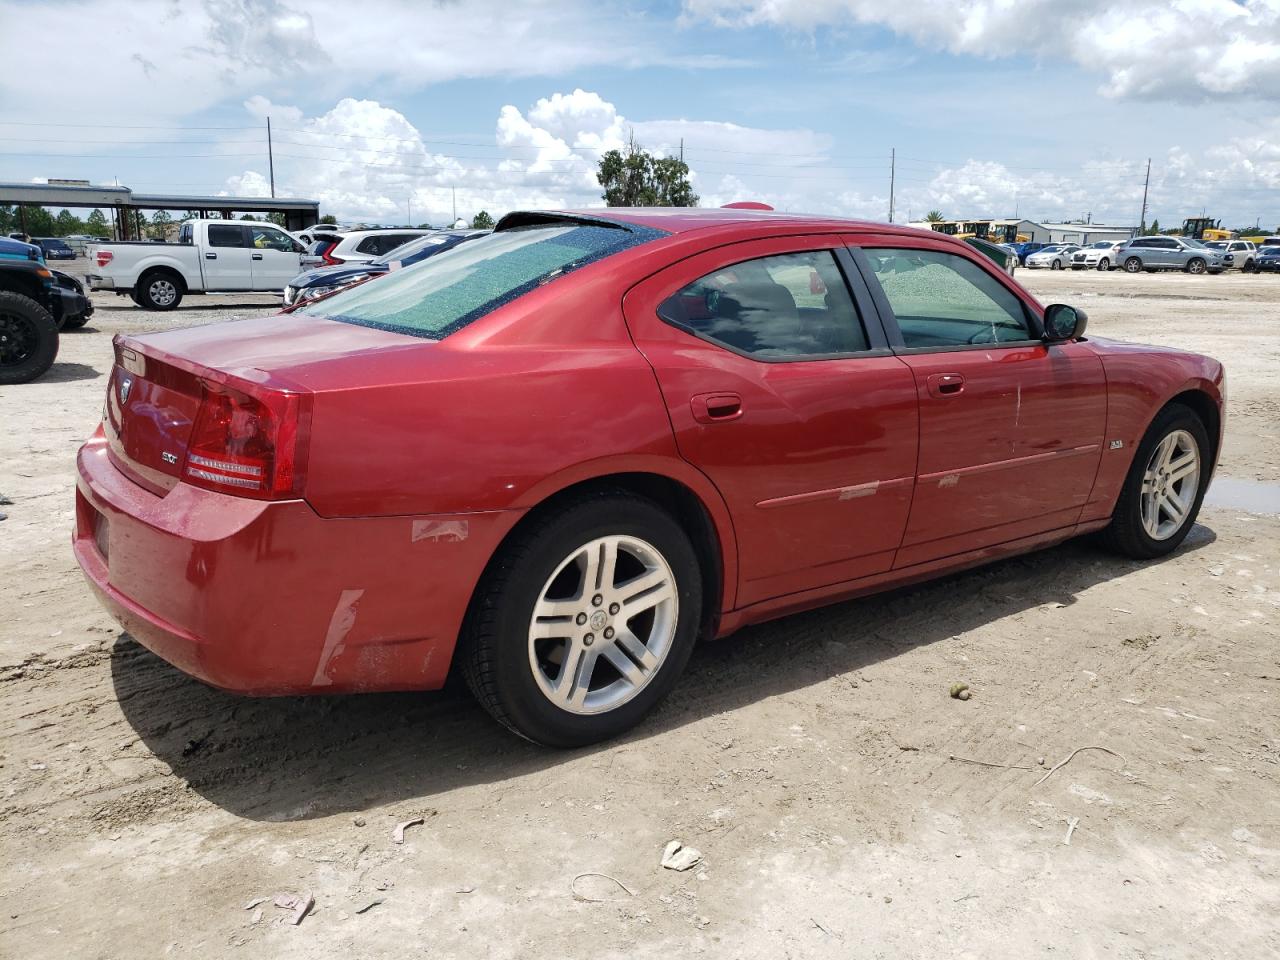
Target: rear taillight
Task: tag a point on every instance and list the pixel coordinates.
(326, 249)
(250, 445)
(104, 257)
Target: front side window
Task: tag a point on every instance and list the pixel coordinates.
(444, 293)
(786, 307)
(225, 235)
(264, 238)
(943, 300)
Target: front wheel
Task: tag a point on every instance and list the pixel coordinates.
(1164, 487)
(1133, 265)
(584, 621)
(1195, 265)
(28, 339)
(1104, 264)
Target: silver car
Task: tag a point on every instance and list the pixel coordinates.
(1169, 253)
(1056, 256)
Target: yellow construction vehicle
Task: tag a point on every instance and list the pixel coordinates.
(1205, 228)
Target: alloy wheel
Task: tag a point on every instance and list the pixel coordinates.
(1195, 266)
(603, 624)
(1170, 485)
(1133, 265)
(18, 338)
(1104, 264)
(162, 292)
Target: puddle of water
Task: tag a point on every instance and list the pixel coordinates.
(1251, 496)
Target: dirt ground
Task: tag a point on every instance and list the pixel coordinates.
(814, 761)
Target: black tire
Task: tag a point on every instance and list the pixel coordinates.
(494, 649)
(159, 290)
(74, 323)
(28, 339)
(1248, 267)
(1133, 265)
(1196, 265)
(1126, 533)
(1104, 264)
(1056, 265)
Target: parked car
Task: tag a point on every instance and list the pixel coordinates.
(1236, 253)
(1267, 260)
(1000, 254)
(360, 246)
(19, 250)
(1025, 250)
(210, 256)
(557, 454)
(309, 235)
(35, 302)
(1096, 256)
(54, 248)
(325, 280)
(1169, 253)
(1053, 257)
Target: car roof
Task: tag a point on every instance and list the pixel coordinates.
(685, 219)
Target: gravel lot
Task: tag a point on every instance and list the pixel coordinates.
(814, 760)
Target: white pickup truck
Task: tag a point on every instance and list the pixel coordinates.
(211, 256)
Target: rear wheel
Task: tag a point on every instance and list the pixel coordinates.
(160, 290)
(1165, 485)
(1195, 265)
(28, 339)
(1056, 265)
(584, 621)
(1133, 265)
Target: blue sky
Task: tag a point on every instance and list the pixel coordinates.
(1046, 108)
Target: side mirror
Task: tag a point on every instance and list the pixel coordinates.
(1062, 323)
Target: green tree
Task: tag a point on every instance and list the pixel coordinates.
(328, 218)
(67, 223)
(8, 219)
(40, 222)
(160, 221)
(96, 224)
(278, 219)
(482, 221)
(639, 179)
(1155, 226)
(934, 216)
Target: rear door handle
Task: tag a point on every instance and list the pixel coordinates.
(257, 256)
(211, 256)
(946, 384)
(716, 407)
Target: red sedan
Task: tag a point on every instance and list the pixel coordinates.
(557, 455)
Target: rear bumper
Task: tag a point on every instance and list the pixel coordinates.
(269, 598)
(100, 283)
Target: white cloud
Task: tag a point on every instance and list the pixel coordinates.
(1158, 49)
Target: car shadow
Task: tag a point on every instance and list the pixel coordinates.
(279, 759)
(69, 372)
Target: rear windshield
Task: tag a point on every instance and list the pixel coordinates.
(444, 293)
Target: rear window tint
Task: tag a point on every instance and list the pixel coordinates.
(444, 293)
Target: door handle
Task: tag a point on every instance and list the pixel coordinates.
(716, 407)
(946, 384)
(257, 256)
(211, 256)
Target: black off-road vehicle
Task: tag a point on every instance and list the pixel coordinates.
(35, 303)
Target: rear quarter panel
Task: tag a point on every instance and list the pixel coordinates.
(130, 261)
(1141, 380)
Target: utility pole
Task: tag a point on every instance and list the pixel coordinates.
(408, 202)
(893, 170)
(454, 191)
(271, 159)
(682, 149)
(1142, 220)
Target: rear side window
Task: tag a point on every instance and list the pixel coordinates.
(225, 235)
(787, 307)
(943, 300)
(444, 293)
